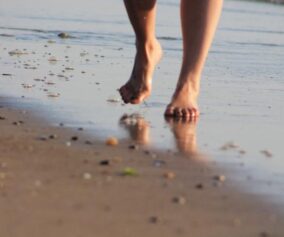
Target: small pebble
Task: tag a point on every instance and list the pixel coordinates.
(242, 152)
(229, 145)
(68, 143)
(87, 142)
(64, 35)
(128, 171)
(17, 123)
(220, 178)
(52, 136)
(53, 95)
(199, 186)
(74, 138)
(52, 59)
(159, 163)
(267, 153)
(113, 100)
(133, 147)
(42, 138)
(111, 141)
(169, 175)
(105, 162)
(179, 200)
(153, 219)
(87, 176)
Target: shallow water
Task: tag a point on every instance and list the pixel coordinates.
(242, 95)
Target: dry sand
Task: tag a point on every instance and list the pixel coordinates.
(54, 187)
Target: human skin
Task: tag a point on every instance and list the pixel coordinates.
(199, 20)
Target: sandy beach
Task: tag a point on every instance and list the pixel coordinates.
(76, 161)
(52, 184)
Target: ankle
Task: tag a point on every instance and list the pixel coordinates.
(191, 84)
(149, 45)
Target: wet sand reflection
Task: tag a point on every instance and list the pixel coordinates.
(184, 131)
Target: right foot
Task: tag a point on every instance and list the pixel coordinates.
(139, 86)
(184, 100)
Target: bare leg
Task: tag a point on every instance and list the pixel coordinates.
(142, 15)
(199, 19)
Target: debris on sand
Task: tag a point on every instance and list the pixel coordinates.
(42, 138)
(105, 162)
(17, 52)
(179, 200)
(53, 95)
(7, 74)
(111, 141)
(228, 146)
(69, 68)
(113, 100)
(220, 178)
(74, 138)
(52, 136)
(6, 35)
(50, 83)
(153, 219)
(133, 147)
(128, 171)
(51, 41)
(17, 123)
(169, 175)
(267, 153)
(27, 86)
(242, 152)
(52, 59)
(87, 176)
(64, 35)
(199, 186)
(87, 142)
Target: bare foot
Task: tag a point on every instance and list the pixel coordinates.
(184, 100)
(139, 86)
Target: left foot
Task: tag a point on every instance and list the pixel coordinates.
(139, 86)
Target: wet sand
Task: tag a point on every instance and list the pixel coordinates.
(52, 184)
(222, 176)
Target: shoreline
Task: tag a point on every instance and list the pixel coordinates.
(49, 188)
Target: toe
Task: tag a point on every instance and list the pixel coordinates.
(178, 112)
(169, 111)
(185, 113)
(196, 112)
(124, 94)
(191, 113)
(136, 99)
